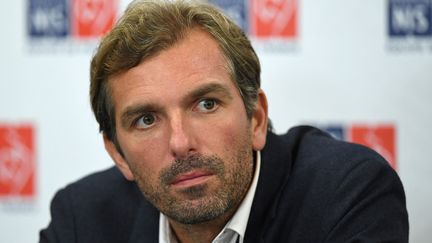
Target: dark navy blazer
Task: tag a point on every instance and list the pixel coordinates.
(312, 188)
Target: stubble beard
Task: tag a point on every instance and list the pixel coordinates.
(199, 203)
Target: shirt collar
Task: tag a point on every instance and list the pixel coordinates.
(237, 223)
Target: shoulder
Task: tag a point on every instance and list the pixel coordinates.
(106, 192)
(102, 185)
(338, 190)
(324, 162)
(313, 149)
(101, 207)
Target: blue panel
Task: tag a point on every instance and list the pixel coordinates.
(48, 18)
(337, 131)
(409, 18)
(236, 9)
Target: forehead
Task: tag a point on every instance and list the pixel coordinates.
(194, 60)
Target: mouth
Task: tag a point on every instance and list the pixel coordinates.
(192, 178)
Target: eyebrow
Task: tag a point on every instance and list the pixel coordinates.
(132, 111)
(210, 88)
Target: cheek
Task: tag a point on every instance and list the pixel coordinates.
(144, 156)
(234, 135)
(237, 128)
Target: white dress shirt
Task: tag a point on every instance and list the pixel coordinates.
(235, 227)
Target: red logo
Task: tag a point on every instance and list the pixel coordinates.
(93, 18)
(17, 161)
(274, 18)
(380, 138)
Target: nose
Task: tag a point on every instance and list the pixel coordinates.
(181, 142)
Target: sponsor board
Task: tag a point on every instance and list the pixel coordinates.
(273, 19)
(236, 10)
(272, 25)
(17, 163)
(379, 137)
(409, 26)
(63, 25)
(92, 18)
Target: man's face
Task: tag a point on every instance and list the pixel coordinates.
(182, 127)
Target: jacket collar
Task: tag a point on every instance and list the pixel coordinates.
(146, 226)
(275, 170)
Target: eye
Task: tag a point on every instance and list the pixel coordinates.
(145, 121)
(207, 105)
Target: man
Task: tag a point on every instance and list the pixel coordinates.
(175, 87)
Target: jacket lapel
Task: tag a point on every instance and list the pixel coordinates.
(146, 226)
(275, 170)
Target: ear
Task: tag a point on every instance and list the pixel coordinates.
(260, 122)
(118, 158)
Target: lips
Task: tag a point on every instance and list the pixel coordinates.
(191, 178)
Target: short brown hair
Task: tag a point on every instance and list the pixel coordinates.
(150, 26)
